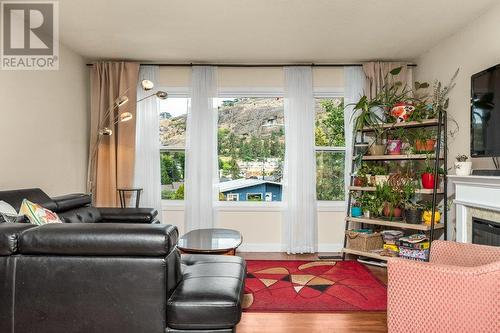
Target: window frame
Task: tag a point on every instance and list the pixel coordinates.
(246, 206)
(173, 93)
(331, 205)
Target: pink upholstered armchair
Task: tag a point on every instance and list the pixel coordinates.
(458, 291)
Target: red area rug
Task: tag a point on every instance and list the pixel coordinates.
(315, 286)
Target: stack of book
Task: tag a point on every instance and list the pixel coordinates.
(414, 247)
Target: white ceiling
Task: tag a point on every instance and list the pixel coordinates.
(261, 31)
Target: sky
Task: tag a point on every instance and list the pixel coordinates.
(177, 106)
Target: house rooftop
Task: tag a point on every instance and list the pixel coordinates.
(242, 183)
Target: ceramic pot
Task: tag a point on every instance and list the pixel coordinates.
(379, 114)
(425, 145)
(427, 217)
(463, 168)
(394, 147)
(413, 216)
(402, 111)
(389, 211)
(356, 212)
(381, 179)
(366, 214)
(376, 149)
(428, 180)
(358, 181)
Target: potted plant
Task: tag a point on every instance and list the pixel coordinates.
(356, 210)
(370, 204)
(377, 147)
(395, 141)
(391, 200)
(364, 111)
(462, 165)
(413, 212)
(424, 140)
(363, 175)
(427, 215)
(380, 175)
(427, 175)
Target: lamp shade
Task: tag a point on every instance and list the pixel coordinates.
(125, 116)
(161, 94)
(147, 85)
(121, 100)
(106, 131)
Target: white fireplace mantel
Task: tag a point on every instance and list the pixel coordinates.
(474, 195)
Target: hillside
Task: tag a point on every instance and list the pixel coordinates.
(244, 117)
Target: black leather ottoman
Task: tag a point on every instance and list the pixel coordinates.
(208, 298)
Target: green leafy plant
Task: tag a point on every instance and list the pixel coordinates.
(423, 134)
(462, 158)
(379, 170)
(387, 194)
(429, 167)
(365, 117)
(370, 202)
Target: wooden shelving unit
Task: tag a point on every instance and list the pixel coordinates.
(397, 157)
(410, 124)
(438, 158)
(365, 254)
(372, 188)
(395, 224)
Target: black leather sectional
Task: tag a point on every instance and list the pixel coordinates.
(102, 277)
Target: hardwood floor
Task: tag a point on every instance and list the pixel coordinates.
(370, 322)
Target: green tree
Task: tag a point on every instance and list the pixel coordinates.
(234, 169)
(331, 124)
(179, 194)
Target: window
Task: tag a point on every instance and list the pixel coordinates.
(330, 148)
(233, 197)
(251, 148)
(254, 196)
(173, 114)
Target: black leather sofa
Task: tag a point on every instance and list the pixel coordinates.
(76, 208)
(113, 278)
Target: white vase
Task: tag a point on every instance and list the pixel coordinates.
(463, 168)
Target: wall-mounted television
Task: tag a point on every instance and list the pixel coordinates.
(485, 113)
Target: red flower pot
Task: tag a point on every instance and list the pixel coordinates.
(428, 180)
(389, 211)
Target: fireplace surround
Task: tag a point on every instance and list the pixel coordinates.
(477, 198)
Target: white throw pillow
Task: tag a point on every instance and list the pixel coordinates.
(7, 213)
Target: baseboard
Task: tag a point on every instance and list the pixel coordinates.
(275, 247)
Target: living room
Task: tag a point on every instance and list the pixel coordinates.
(287, 166)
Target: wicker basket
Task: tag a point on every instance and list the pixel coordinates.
(363, 241)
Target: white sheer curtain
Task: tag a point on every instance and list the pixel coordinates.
(147, 143)
(201, 149)
(299, 181)
(354, 81)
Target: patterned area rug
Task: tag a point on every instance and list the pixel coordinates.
(315, 286)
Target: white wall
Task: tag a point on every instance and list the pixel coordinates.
(44, 127)
(472, 49)
(261, 229)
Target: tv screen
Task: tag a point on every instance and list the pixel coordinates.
(485, 113)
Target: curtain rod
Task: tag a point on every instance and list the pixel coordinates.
(254, 65)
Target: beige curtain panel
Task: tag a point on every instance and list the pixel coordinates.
(111, 158)
(377, 73)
